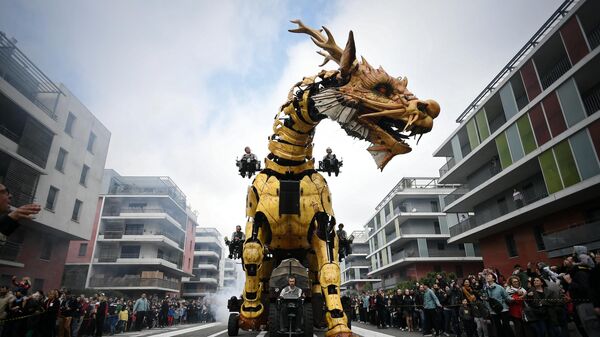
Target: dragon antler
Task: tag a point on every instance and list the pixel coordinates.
(345, 58)
(334, 52)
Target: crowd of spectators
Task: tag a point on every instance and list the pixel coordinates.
(535, 301)
(28, 312)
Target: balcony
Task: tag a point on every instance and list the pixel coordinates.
(206, 266)
(133, 189)
(133, 282)
(176, 218)
(207, 253)
(559, 69)
(135, 259)
(561, 243)
(139, 236)
(27, 78)
(447, 166)
(456, 194)
(207, 280)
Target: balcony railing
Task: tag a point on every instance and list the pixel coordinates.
(118, 211)
(447, 166)
(132, 189)
(9, 251)
(492, 213)
(119, 282)
(575, 235)
(591, 100)
(559, 69)
(456, 194)
(594, 37)
(111, 257)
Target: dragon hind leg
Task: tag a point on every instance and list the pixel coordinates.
(324, 242)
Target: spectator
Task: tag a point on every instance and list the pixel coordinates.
(467, 318)
(408, 305)
(380, 307)
(516, 295)
(140, 308)
(4, 302)
(430, 305)
(498, 313)
(518, 198)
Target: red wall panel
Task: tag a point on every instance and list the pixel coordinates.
(554, 114)
(530, 79)
(540, 127)
(573, 40)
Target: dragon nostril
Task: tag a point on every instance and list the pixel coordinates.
(433, 108)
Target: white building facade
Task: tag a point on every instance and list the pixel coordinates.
(52, 152)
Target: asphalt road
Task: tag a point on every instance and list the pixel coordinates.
(220, 330)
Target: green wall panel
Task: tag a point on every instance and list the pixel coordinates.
(527, 137)
(482, 124)
(566, 163)
(503, 151)
(550, 171)
(472, 132)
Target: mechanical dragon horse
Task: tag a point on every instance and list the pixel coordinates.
(288, 205)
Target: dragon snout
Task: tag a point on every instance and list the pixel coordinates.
(429, 107)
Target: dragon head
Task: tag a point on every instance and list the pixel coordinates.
(368, 103)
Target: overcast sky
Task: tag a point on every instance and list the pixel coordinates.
(183, 86)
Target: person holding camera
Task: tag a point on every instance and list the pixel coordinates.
(10, 217)
(497, 299)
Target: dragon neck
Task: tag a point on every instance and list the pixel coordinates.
(290, 146)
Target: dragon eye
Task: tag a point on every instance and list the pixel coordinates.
(384, 89)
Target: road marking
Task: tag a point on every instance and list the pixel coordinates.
(218, 333)
(262, 334)
(370, 333)
(184, 331)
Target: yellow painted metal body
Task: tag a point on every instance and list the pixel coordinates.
(290, 232)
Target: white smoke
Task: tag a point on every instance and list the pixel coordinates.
(218, 300)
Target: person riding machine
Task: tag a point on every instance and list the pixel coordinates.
(330, 163)
(235, 245)
(345, 247)
(249, 164)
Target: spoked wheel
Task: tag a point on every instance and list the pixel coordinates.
(307, 314)
(273, 320)
(233, 326)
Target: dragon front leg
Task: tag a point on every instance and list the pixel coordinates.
(325, 243)
(253, 312)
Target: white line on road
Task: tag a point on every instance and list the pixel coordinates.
(218, 333)
(183, 331)
(369, 333)
(262, 334)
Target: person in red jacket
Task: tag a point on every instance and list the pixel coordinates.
(516, 294)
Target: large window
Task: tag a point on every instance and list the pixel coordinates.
(60, 160)
(69, 125)
(130, 252)
(134, 229)
(538, 232)
(83, 177)
(51, 200)
(511, 246)
(91, 141)
(46, 251)
(83, 249)
(76, 210)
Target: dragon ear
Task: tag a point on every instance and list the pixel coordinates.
(348, 56)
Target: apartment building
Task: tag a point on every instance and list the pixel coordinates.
(143, 239)
(208, 266)
(526, 150)
(355, 267)
(52, 152)
(408, 235)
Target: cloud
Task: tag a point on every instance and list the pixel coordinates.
(184, 86)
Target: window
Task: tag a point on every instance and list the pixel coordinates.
(83, 249)
(511, 246)
(134, 229)
(38, 283)
(60, 160)
(84, 173)
(51, 200)
(436, 227)
(441, 246)
(189, 262)
(434, 206)
(160, 254)
(459, 272)
(538, 234)
(130, 252)
(91, 141)
(69, 126)
(46, 251)
(76, 210)
(461, 246)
